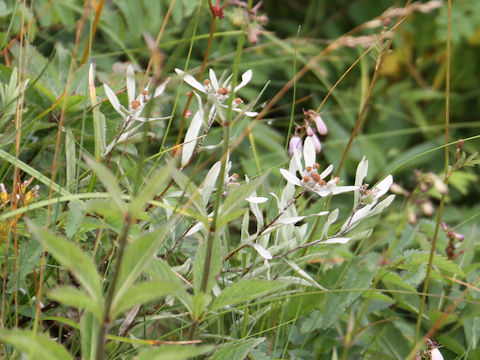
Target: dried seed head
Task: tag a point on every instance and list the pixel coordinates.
(306, 179)
(308, 168)
(316, 178)
(238, 101)
(316, 166)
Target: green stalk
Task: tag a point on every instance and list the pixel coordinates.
(122, 242)
(447, 177)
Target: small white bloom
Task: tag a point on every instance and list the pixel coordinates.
(368, 198)
(310, 178)
(135, 104)
(219, 93)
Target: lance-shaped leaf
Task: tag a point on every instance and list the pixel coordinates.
(174, 352)
(110, 182)
(72, 257)
(27, 342)
(142, 293)
(152, 185)
(191, 136)
(89, 328)
(137, 257)
(72, 296)
(237, 350)
(246, 290)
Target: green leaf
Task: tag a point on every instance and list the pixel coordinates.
(38, 346)
(160, 270)
(110, 182)
(152, 186)
(70, 157)
(440, 262)
(142, 293)
(137, 257)
(236, 351)
(74, 218)
(215, 265)
(89, 327)
(29, 254)
(32, 172)
(236, 198)
(72, 296)
(246, 290)
(174, 352)
(73, 258)
(192, 194)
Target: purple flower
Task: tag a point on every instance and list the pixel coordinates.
(295, 143)
(321, 126)
(310, 131)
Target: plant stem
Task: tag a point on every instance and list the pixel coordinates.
(122, 242)
(447, 177)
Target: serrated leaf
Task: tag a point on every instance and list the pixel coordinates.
(26, 342)
(237, 350)
(246, 290)
(73, 258)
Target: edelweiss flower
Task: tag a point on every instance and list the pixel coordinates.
(219, 93)
(365, 200)
(310, 178)
(135, 105)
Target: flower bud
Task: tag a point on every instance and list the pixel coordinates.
(295, 143)
(317, 145)
(321, 126)
(439, 185)
(310, 131)
(460, 143)
(427, 208)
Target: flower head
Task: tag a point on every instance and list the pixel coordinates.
(135, 104)
(310, 178)
(365, 202)
(219, 92)
(295, 143)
